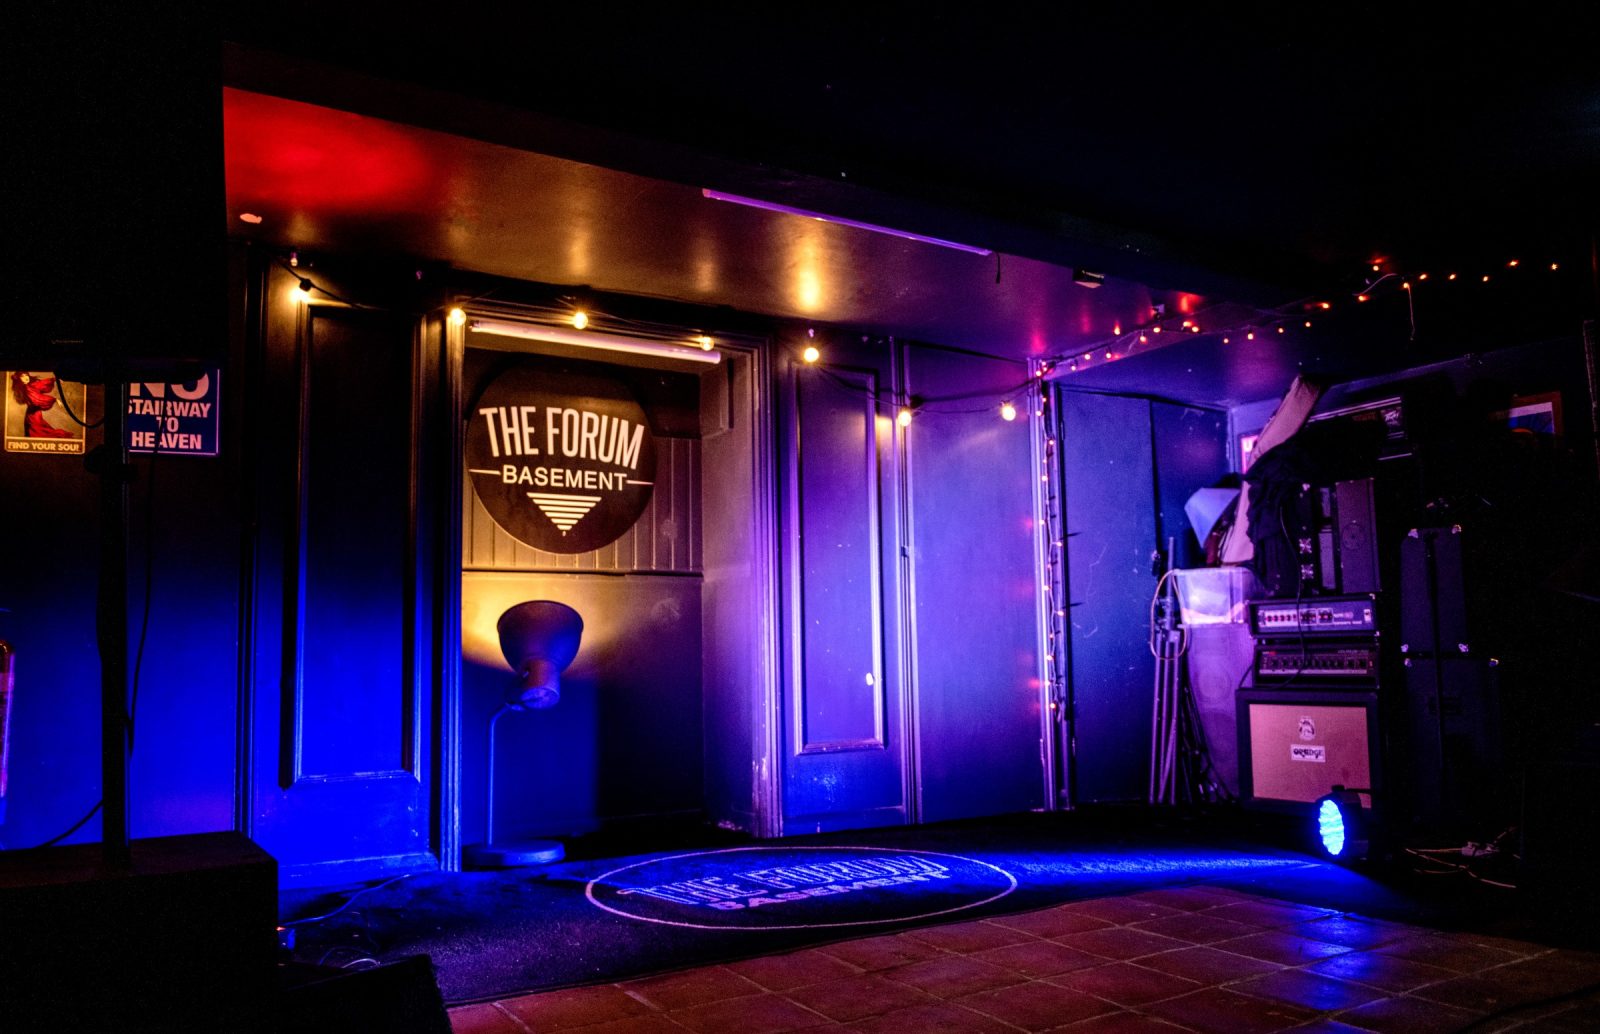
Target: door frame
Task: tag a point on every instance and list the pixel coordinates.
(765, 731)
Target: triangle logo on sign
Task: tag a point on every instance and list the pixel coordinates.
(563, 510)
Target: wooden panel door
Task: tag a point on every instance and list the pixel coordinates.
(339, 639)
(844, 744)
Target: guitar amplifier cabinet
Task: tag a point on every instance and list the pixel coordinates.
(1296, 746)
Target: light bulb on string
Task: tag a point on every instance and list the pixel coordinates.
(811, 354)
(903, 418)
(704, 342)
(458, 318)
(580, 319)
(1008, 412)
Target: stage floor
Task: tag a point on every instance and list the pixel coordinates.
(1085, 910)
(1195, 958)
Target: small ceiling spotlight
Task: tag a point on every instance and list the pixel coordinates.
(580, 319)
(1087, 278)
(1008, 412)
(811, 354)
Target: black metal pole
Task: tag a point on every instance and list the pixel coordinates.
(111, 621)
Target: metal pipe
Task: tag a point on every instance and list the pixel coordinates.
(488, 837)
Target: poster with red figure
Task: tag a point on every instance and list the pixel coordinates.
(43, 413)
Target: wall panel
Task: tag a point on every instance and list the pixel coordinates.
(972, 551)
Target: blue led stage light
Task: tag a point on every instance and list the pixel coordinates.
(1330, 827)
(1342, 825)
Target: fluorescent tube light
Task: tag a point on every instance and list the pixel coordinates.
(773, 206)
(594, 339)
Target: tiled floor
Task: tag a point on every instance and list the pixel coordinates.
(1199, 959)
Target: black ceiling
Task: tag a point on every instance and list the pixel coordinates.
(1263, 156)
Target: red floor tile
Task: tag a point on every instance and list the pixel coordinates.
(1310, 990)
(1036, 1006)
(796, 969)
(857, 997)
(1121, 942)
(953, 976)
(1122, 1022)
(1407, 1016)
(1053, 922)
(1188, 899)
(877, 953)
(644, 1023)
(574, 1007)
(1278, 946)
(1270, 914)
(1126, 983)
(966, 938)
(1477, 994)
(1121, 910)
(1150, 962)
(1207, 965)
(1439, 950)
(1350, 931)
(1039, 958)
(483, 1019)
(943, 1018)
(1220, 1011)
(692, 987)
(763, 1014)
(1388, 972)
(1197, 928)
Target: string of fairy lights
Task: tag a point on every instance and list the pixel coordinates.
(1052, 550)
(1244, 323)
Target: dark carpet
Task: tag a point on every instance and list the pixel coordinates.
(493, 934)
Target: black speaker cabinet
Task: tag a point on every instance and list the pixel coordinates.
(183, 940)
(1295, 746)
(116, 220)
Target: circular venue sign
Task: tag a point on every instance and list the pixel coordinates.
(798, 888)
(563, 462)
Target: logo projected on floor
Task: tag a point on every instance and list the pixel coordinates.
(795, 888)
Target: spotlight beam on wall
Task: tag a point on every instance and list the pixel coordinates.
(594, 339)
